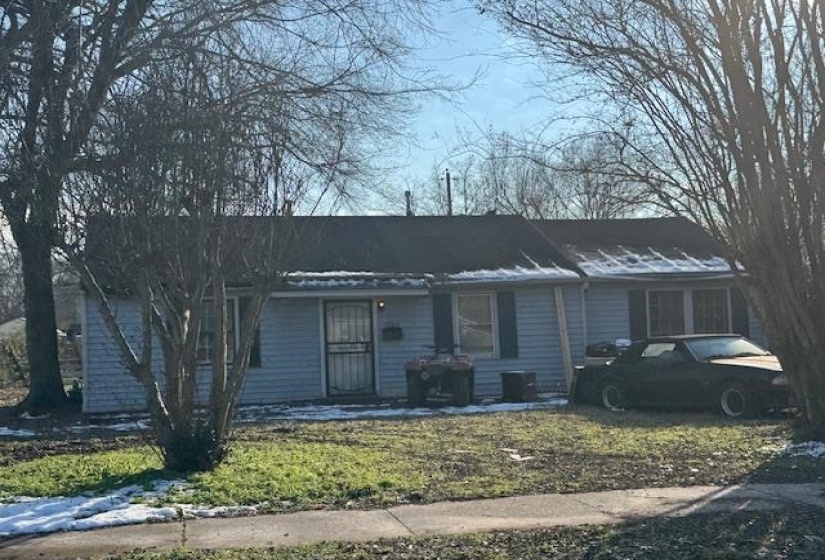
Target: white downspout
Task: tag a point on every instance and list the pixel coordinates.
(566, 356)
(583, 302)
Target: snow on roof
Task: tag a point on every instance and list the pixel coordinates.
(622, 262)
(351, 279)
(363, 279)
(515, 274)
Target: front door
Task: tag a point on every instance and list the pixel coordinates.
(349, 348)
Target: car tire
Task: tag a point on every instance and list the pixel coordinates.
(735, 401)
(611, 394)
(461, 394)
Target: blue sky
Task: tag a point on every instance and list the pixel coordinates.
(503, 97)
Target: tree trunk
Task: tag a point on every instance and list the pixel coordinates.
(46, 386)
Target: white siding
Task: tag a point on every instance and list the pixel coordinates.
(290, 358)
(290, 354)
(415, 317)
(608, 311)
(107, 385)
(539, 345)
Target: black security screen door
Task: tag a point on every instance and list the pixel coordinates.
(349, 348)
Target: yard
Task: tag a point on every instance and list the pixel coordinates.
(296, 465)
(287, 466)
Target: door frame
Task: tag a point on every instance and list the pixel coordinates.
(322, 324)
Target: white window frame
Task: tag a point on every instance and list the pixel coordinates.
(235, 332)
(728, 311)
(687, 306)
(493, 318)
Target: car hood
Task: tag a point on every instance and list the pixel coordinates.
(770, 363)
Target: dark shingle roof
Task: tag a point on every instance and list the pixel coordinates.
(647, 246)
(433, 245)
(436, 247)
(476, 249)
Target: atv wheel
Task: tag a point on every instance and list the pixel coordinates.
(461, 386)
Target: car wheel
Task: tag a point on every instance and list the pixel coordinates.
(737, 402)
(612, 395)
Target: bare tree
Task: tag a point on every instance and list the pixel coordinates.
(11, 282)
(199, 162)
(58, 60)
(731, 92)
(581, 177)
(591, 181)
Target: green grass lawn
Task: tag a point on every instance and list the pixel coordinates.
(369, 463)
(793, 533)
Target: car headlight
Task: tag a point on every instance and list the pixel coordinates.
(780, 380)
(425, 375)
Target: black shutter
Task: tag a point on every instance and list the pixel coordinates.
(740, 322)
(638, 314)
(443, 321)
(507, 329)
(255, 351)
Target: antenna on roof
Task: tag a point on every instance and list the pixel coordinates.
(408, 197)
(449, 192)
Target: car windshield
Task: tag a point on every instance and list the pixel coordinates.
(724, 347)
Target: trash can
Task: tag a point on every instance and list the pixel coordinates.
(518, 386)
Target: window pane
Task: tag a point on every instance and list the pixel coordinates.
(710, 311)
(475, 324)
(667, 313)
(206, 337)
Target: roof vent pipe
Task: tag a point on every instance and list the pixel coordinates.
(408, 197)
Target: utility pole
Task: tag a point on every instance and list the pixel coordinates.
(449, 194)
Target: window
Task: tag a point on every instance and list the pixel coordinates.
(666, 310)
(662, 353)
(710, 311)
(206, 338)
(476, 330)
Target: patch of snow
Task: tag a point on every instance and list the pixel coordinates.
(189, 510)
(815, 449)
(28, 416)
(133, 426)
(360, 283)
(626, 262)
(264, 413)
(8, 432)
(357, 279)
(318, 413)
(518, 273)
(24, 515)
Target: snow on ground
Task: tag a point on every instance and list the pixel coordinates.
(268, 413)
(126, 506)
(815, 449)
(8, 432)
(303, 413)
(133, 504)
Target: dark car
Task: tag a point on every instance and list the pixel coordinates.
(725, 371)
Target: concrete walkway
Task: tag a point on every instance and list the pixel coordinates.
(522, 512)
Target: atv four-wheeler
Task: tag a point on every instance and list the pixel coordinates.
(443, 374)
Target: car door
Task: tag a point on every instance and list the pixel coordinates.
(657, 373)
(691, 381)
